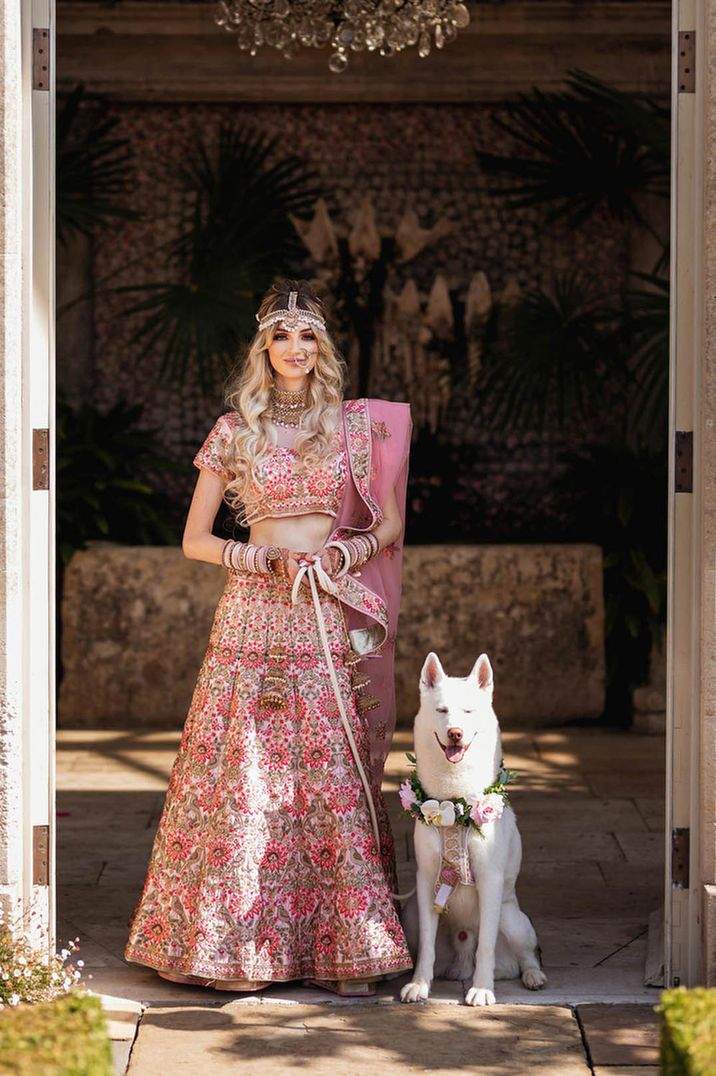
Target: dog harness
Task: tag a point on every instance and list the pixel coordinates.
(455, 866)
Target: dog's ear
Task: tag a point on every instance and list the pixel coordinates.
(482, 671)
(432, 671)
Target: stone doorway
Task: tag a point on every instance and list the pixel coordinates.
(590, 808)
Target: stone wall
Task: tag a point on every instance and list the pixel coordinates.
(135, 623)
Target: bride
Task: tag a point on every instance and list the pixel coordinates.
(274, 859)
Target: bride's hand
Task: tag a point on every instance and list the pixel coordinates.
(292, 563)
(331, 560)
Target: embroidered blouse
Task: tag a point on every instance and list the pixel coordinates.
(281, 487)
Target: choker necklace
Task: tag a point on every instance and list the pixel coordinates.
(287, 407)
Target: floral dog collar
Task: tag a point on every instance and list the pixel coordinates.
(487, 807)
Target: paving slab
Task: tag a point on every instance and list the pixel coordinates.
(627, 1070)
(642, 849)
(565, 986)
(552, 846)
(121, 1052)
(588, 942)
(575, 814)
(620, 1034)
(355, 1040)
(570, 986)
(636, 784)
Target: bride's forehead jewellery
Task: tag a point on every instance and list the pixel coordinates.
(292, 317)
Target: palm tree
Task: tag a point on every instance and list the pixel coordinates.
(93, 170)
(235, 237)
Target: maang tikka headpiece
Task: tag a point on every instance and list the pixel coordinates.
(293, 316)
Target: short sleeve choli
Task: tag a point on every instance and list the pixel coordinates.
(280, 487)
(212, 453)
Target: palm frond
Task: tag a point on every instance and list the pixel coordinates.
(546, 367)
(236, 236)
(647, 332)
(579, 150)
(93, 171)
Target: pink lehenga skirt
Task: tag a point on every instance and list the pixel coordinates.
(265, 864)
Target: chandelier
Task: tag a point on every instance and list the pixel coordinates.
(385, 26)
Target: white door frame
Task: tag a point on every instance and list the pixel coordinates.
(682, 880)
(38, 462)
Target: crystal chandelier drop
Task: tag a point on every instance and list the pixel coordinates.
(386, 26)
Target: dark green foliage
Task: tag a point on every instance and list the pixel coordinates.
(647, 333)
(100, 458)
(688, 1032)
(552, 352)
(235, 237)
(582, 149)
(593, 149)
(64, 1037)
(623, 495)
(93, 170)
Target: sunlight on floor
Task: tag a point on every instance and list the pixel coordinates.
(590, 808)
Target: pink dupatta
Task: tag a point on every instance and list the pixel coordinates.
(377, 435)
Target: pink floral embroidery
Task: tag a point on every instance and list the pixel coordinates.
(277, 757)
(283, 488)
(265, 865)
(380, 429)
(351, 901)
(177, 846)
(275, 856)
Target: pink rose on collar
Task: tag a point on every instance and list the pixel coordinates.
(487, 808)
(407, 796)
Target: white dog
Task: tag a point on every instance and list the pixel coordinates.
(483, 934)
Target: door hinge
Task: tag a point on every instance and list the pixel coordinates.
(40, 459)
(40, 58)
(687, 61)
(680, 858)
(41, 855)
(684, 469)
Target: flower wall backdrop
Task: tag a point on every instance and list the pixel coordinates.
(467, 482)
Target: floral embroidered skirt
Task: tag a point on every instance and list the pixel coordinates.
(265, 865)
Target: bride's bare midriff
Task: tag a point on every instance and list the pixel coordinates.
(304, 534)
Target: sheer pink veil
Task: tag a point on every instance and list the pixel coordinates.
(377, 436)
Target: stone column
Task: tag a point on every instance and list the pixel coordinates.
(12, 822)
(706, 467)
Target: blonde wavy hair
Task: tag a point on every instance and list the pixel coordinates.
(248, 392)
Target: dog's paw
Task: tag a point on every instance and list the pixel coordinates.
(477, 996)
(534, 978)
(418, 990)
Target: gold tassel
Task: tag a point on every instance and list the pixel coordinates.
(351, 658)
(364, 703)
(275, 685)
(359, 680)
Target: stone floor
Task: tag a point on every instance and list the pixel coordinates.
(590, 809)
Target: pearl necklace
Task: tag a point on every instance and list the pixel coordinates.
(287, 407)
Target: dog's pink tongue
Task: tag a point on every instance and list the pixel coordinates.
(454, 752)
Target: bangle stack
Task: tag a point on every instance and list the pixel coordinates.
(244, 557)
(356, 550)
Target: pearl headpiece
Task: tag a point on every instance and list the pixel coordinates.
(293, 316)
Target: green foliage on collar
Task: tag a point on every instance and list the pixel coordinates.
(461, 805)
